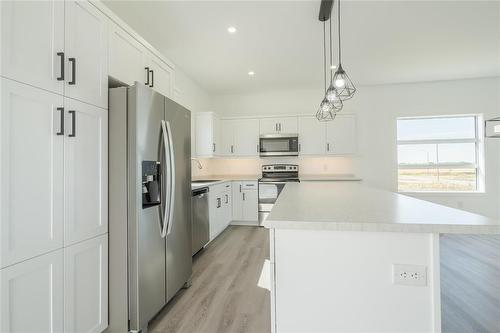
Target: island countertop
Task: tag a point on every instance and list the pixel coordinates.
(352, 206)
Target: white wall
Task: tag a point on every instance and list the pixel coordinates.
(377, 108)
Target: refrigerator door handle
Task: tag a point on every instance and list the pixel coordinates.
(163, 205)
(171, 195)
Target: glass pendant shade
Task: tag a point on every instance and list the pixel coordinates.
(343, 83)
(326, 111)
(332, 95)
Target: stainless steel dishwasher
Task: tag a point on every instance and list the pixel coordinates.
(200, 221)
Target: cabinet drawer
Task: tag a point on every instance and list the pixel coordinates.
(249, 185)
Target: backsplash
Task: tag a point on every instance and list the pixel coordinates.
(246, 166)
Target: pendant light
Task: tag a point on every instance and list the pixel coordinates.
(341, 80)
(326, 110)
(332, 94)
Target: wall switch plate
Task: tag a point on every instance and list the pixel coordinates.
(409, 275)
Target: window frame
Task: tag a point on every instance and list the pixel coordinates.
(479, 155)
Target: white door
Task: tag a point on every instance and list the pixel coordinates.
(162, 76)
(237, 204)
(341, 135)
(127, 57)
(250, 205)
(31, 295)
(226, 135)
(227, 204)
(268, 125)
(86, 45)
(86, 286)
(31, 181)
(32, 35)
(312, 136)
(246, 137)
(288, 125)
(85, 168)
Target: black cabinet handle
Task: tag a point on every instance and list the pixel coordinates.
(227, 198)
(243, 196)
(61, 55)
(147, 75)
(214, 148)
(73, 123)
(152, 78)
(73, 71)
(61, 131)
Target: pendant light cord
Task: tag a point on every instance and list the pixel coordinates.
(324, 52)
(331, 59)
(338, 16)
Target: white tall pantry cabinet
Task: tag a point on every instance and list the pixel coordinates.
(53, 167)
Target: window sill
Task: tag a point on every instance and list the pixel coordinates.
(444, 194)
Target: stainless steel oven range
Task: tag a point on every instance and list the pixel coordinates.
(274, 179)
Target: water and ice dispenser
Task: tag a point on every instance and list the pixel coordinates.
(151, 184)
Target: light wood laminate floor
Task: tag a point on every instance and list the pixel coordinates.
(224, 296)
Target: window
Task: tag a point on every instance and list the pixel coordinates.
(438, 154)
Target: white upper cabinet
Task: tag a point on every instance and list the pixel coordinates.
(341, 137)
(312, 136)
(85, 165)
(246, 137)
(239, 137)
(207, 134)
(32, 35)
(86, 286)
(283, 125)
(31, 295)
(86, 43)
(31, 182)
(226, 136)
(161, 76)
(127, 57)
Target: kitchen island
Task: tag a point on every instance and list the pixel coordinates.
(349, 258)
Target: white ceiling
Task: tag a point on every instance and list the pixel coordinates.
(383, 41)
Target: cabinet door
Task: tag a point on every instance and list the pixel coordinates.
(341, 135)
(31, 181)
(268, 125)
(86, 42)
(228, 205)
(213, 212)
(237, 204)
(205, 134)
(32, 33)
(86, 286)
(162, 77)
(86, 171)
(288, 125)
(127, 57)
(216, 136)
(246, 137)
(226, 136)
(250, 206)
(31, 295)
(312, 136)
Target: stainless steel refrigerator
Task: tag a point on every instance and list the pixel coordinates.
(150, 205)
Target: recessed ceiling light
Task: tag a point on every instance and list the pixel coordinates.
(333, 67)
(251, 73)
(231, 30)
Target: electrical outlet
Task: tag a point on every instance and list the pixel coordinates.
(409, 275)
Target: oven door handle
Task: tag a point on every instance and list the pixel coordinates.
(278, 183)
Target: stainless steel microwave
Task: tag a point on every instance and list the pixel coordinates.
(279, 145)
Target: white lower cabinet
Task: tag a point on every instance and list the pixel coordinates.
(85, 167)
(86, 286)
(32, 180)
(245, 202)
(220, 208)
(31, 295)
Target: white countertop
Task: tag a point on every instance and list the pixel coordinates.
(352, 206)
(331, 177)
(221, 179)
